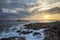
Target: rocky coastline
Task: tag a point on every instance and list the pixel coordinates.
(52, 32)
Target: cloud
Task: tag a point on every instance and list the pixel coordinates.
(25, 8)
(52, 1)
(49, 7)
(15, 8)
(45, 5)
(27, 2)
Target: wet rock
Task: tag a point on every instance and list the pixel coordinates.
(36, 33)
(52, 32)
(13, 29)
(4, 39)
(18, 31)
(13, 38)
(22, 38)
(36, 26)
(26, 32)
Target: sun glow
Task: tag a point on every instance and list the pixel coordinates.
(46, 16)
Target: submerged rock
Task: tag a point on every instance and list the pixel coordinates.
(13, 38)
(26, 32)
(18, 31)
(5, 39)
(36, 33)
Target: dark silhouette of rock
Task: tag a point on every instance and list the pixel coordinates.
(18, 31)
(13, 38)
(5, 39)
(26, 32)
(36, 33)
(36, 26)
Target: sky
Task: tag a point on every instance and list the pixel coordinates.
(45, 5)
(32, 9)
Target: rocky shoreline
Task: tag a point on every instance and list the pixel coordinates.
(52, 32)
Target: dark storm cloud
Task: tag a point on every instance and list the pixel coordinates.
(12, 5)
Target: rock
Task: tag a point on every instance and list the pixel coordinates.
(26, 32)
(36, 33)
(13, 38)
(36, 26)
(4, 39)
(18, 31)
(52, 32)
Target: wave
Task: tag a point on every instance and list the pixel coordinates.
(17, 31)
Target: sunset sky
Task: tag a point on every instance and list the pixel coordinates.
(36, 9)
(44, 5)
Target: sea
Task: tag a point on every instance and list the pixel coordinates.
(8, 29)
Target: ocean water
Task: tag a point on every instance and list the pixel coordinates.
(9, 28)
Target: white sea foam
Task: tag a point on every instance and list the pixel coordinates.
(12, 33)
